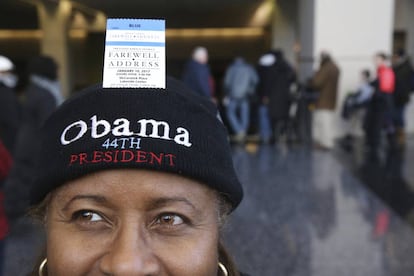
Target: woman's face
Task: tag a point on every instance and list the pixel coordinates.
(131, 222)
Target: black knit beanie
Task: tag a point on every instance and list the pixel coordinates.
(171, 130)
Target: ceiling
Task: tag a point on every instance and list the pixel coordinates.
(20, 31)
(181, 13)
(17, 15)
(21, 14)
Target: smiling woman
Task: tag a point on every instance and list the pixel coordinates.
(126, 221)
(129, 217)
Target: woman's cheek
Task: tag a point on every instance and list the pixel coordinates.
(72, 252)
(192, 255)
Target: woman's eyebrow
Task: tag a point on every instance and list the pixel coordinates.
(94, 198)
(164, 201)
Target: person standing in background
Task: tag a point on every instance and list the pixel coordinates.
(354, 109)
(404, 75)
(325, 82)
(275, 77)
(280, 96)
(9, 123)
(240, 81)
(9, 109)
(197, 73)
(41, 98)
(380, 110)
(266, 71)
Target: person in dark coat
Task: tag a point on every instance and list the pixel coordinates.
(9, 109)
(42, 96)
(379, 116)
(9, 122)
(404, 75)
(197, 73)
(275, 79)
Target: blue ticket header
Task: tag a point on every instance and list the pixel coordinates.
(135, 24)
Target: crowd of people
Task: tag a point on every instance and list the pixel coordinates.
(379, 102)
(267, 94)
(268, 84)
(262, 99)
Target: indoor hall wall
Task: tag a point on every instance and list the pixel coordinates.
(285, 30)
(306, 38)
(353, 31)
(404, 13)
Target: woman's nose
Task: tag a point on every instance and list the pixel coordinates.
(130, 254)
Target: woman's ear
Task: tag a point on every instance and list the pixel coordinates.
(227, 260)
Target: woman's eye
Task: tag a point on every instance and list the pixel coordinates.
(87, 216)
(170, 220)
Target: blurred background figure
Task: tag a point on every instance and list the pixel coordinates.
(9, 122)
(266, 71)
(275, 78)
(197, 72)
(325, 83)
(404, 85)
(9, 110)
(354, 107)
(380, 110)
(41, 98)
(240, 82)
(280, 97)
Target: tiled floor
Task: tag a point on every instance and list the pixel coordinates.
(305, 213)
(308, 213)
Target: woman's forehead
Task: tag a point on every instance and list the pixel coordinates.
(129, 184)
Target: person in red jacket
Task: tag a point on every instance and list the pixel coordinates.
(379, 114)
(385, 75)
(385, 86)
